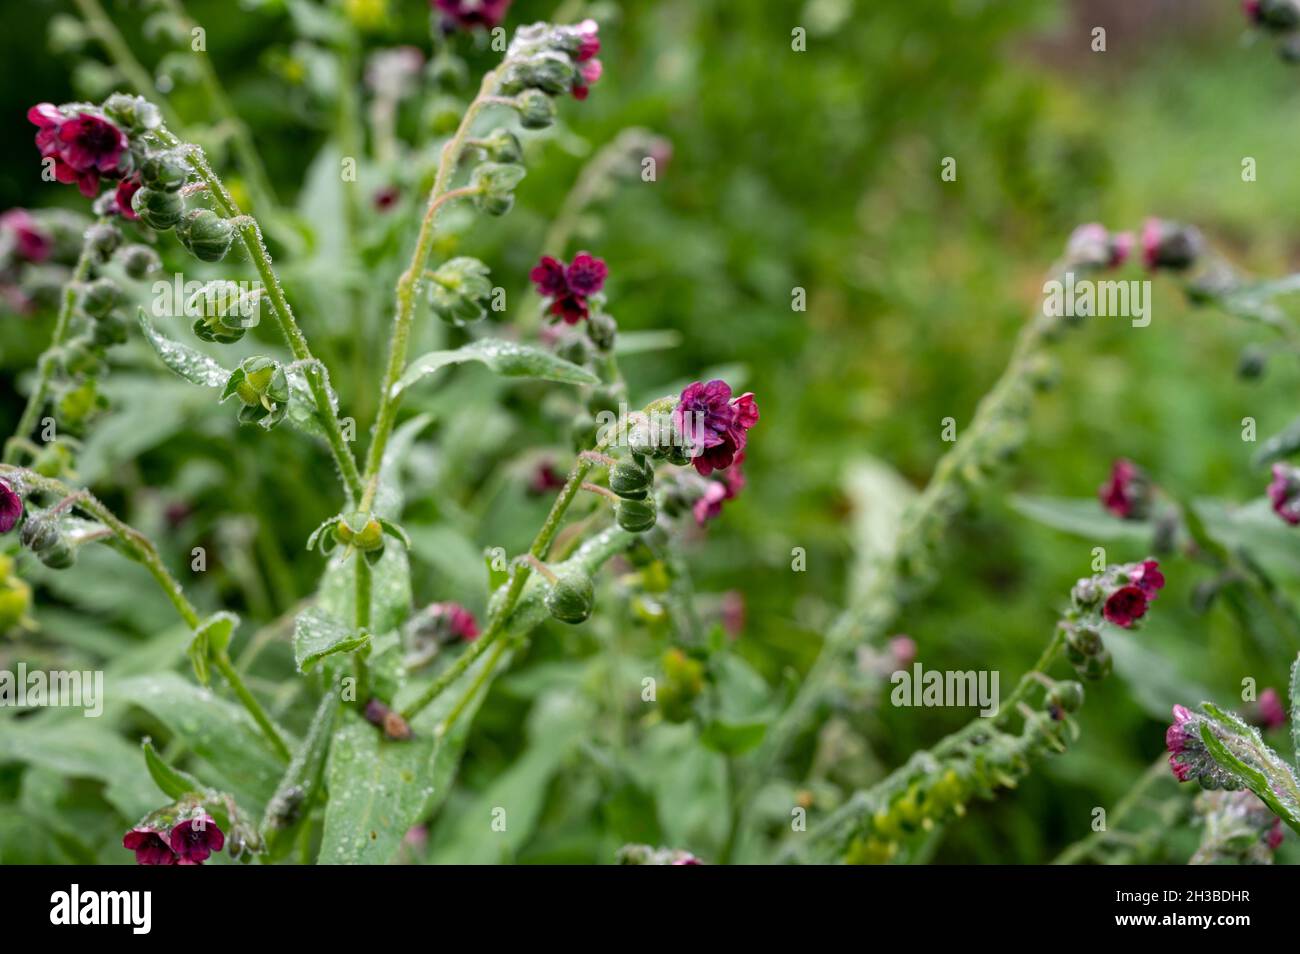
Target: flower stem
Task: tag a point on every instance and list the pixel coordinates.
(250, 234)
(45, 366)
(221, 661)
(409, 282)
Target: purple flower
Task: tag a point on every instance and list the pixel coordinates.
(468, 14)
(1127, 493)
(569, 286)
(1284, 492)
(589, 68)
(84, 146)
(1095, 246)
(122, 197)
(31, 242)
(713, 425)
(194, 839)
(1270, 711)
(544, 479)
(1178, 738)
(149, 846)
(1126, 606)
(11, 506)
(1148, 578)
(709, 506)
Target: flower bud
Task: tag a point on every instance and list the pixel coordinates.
(100, 297)
(603, 329)
(166, 171)
(502, 146)
(78, 405)
(41, 534)
(81, 356)
(1169, 245)
(571, 597)
(138, 260)
(631, 479)
(1065, 696)
(1096, 666)
(495, 182)
(575, 349)
(460, 290)
(551, 72)
(103, 238)
(225, 312)
(158, 209)
(360, 530)
(1082, 642)
(109, 330)
(263, 388)
(536, 109)
(636, 516)
(205, 234)
(132, 112)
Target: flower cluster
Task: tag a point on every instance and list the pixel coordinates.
(1095, 246)
(1121, 596)
(551, 60)
(1127, 494)
(11, 506)
(83, 143)
(1284, 492)
(647, 855)
(1189, 758)
(713, 425)
(571, 289)
(190, 840)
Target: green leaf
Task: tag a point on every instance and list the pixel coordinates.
(641, 342)
(193, 366)
(302, 412)
(1295, 709)
(732, 738)
(317, 634)
(212, 637)
(1253, 778)
(507, 358)
(1282, 444)
(172, 781)
(289, 808)
(83, 749)
(221, 733)
(1082, 518)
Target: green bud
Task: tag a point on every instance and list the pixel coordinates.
(460, 290)
(575, 349)
(549, 71)
(262, 387)
(360, 530)
(536, 110)
(40, 533)
(571, 597)
(100, 297)
(636, 516)
(631, 480)
(164, 170)
(206, 234)
(81, 356)
(109, 330)
(1083, 640)
(138, 260)
(79, 404)
(1067, 696)
(603, 329)
(135, 113)
(495, 182)
(503, 146)
(53, 460)
(225, 312)
(442, 114)
(103, 238)
(582, 431)
(158, 209)
(1096, 666)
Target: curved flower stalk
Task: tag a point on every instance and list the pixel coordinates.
(1117, 844)
(888, 821)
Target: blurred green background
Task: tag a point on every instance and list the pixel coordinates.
(820, 170)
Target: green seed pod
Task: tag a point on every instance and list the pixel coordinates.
(138, 260)
(571, 597)
(536, 110)
(103, 238)
(1066, 695)
(262, 387)
(360, 530)
(164, 170)
(495, 182)
(459, 291)
(636, 516)
(224, 311)
(158, 209)
(80, 404)
(631, 480)
(206, 234)
(109, 330)
(100, 297)
(503, 146)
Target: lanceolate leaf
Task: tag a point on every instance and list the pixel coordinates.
(193, 366)
(172, 781)
(290, 806)
(1282, 444)
(1251, 777)
(507, 358)
(317, 634)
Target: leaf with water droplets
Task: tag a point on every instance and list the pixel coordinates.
(317, 634)
(210, 637)
(302, 412)
(507, 358)
(221, 733)
(193, 366)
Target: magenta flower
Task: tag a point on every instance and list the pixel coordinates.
(149, 846)
(84, 146)
(1126, 606)
(30, 241)
(194, 839)
(1178, 738)
(468, 14)
(11, 506)
(122, 197)
(458, 621)
(569, 286)
(709, 506)
(1271, 713)
(1169, 245)
(1148, 578)
(1095, 246)
(1274, 837)
(1284, 492)
(544, 479)
(713, 425)
(589, 68)
(1127, 493)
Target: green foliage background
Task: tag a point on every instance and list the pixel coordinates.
(818, 170)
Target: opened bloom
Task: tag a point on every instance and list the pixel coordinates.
(1178, 739)
(569, 286)
(1128, 492)
(1272, 714)
(468, 14)
(717, 492)
(1126, 606)
(589, 68)
(84, 146)
(1147, 578)
(1284, 492)
(713, 425)
(11, 506)
(194, 839)
(30, 241)
(149, 846)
